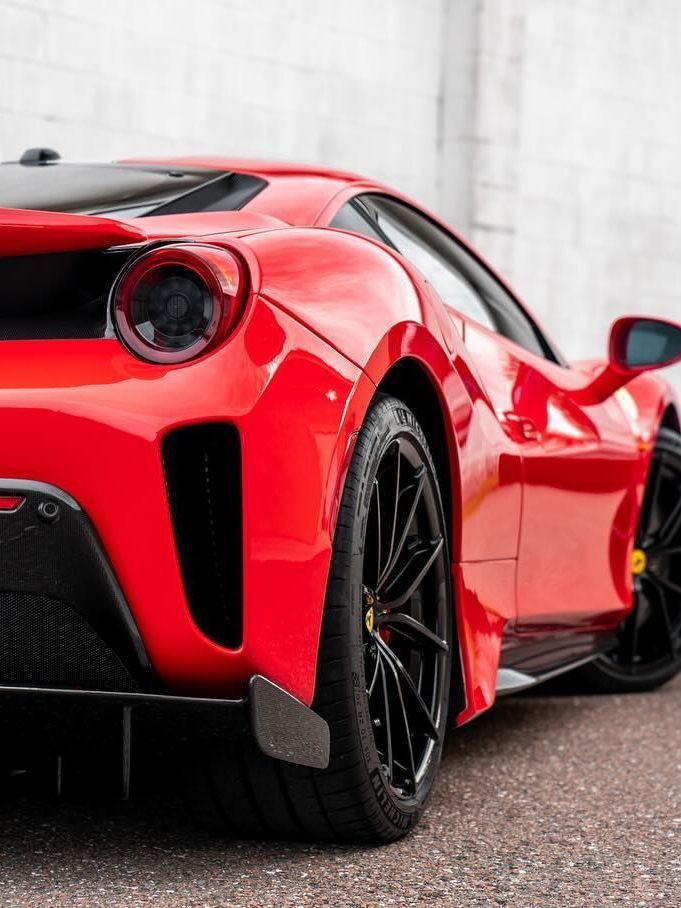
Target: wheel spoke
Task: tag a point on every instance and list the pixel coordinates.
(423, 549)
(405, 718)
(664, 610)
(388, 723)
(630, 642)
(397, 501)
(650, 499)
(414, 585)
(401, 673)
(420, 477)
(665, 582)
(409, 627)
(370, 688)
(667, 550)
(669, 529)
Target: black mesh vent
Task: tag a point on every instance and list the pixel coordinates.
(45, 643)
(202, 467)
(58, 295)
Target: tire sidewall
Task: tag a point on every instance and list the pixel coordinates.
(388, 421)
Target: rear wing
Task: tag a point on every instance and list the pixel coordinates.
(24, 232)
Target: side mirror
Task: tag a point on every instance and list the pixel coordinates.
(637, 344)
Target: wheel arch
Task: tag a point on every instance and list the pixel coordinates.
(409, 381)
(670, 418)
(655, 407)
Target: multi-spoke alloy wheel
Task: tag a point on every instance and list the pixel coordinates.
(649, 650)
(385, 660)
(406, 650)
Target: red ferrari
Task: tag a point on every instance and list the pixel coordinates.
(282, 455)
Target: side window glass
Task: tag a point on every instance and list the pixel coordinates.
(461, 281)
(452, 288)
(422, 243)
(351, 218)
(512, 322)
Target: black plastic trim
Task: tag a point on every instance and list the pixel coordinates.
(542, 652)
(281, 725)
(51, 549)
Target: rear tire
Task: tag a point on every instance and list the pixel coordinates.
(358, 798)
(649, 652)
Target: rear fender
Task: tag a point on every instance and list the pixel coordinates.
(377, 311)
(484, 591)
(348, 289)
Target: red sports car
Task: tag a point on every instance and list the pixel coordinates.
(283, 456)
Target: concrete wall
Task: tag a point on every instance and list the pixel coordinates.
(546, 130)
(576, 175)
(354, 83)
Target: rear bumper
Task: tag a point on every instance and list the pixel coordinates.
(67, 635)
(64, 622)
(88, 418)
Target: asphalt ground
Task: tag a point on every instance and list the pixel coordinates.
(543, 801)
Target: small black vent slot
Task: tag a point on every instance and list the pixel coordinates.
(202, 466)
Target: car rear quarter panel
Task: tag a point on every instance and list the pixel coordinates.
(376, 310)
(88, 417)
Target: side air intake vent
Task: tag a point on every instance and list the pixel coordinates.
(202, 466)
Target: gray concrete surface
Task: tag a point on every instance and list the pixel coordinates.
(544, 801)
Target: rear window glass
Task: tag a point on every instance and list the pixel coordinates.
(123, 190)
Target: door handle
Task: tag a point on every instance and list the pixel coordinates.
(522, 426)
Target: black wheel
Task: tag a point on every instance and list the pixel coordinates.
(384, 667)
(649, 650)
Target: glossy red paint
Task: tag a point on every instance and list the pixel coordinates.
(574, 459)
(328, 316)
(110, 410)
(486, 606)
(34, 232)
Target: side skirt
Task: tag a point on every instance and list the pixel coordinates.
(510, 681)
(530, 660)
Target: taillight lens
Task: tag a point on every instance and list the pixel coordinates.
(175, 302)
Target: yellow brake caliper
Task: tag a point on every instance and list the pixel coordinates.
(639, 561)
(369, 615)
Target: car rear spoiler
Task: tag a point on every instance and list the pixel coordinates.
(24, 232)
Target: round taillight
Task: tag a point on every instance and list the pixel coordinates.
(175, 302)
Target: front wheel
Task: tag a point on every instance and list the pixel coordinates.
(649, 650)
(384, 667)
